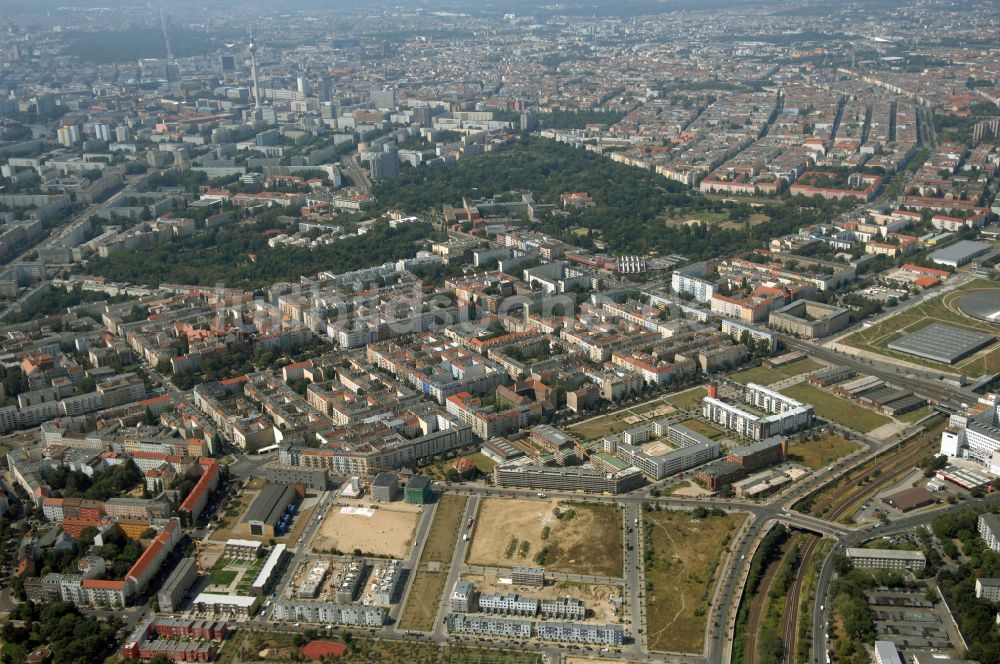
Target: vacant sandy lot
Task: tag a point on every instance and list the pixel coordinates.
(586, 540)
(596, 598)
(387, 532)
(210, 552)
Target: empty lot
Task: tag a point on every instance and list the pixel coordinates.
(565, 537)
(681, 575)
(387, 532)
(440, 543)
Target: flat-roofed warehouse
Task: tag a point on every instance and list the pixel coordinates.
(960, 253)
(261, 518)
(942, 343)
(910, 499)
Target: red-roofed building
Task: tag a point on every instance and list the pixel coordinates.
(464, 467)
(76, 525)
(195, 501)
(296, 370)
(101, 592)
(930, 271)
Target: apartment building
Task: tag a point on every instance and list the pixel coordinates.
(175, 588)
(988, 589)
(470, 623)
(595, 634)
(691, 280)
(563, 608)
(785, 414)
(691, 449)
(327, 612)
(506, 604)
(989, 530)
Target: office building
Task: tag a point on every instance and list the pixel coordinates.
(528, 473)
(463, 597)
(418, 490)
(809, 320)
(975, 434)
(385, 488)
(890, 559)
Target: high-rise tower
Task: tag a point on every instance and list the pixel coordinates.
(253, 68)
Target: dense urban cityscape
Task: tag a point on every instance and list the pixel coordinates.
(479, 333)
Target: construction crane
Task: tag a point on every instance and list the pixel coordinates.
(197, 556)
(584, 452)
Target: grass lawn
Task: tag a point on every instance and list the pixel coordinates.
(366, 651)
(458, 654)
(766, 376)
(674, 488)
(643, 408)
(223, 577)
(840, 499)
(705, 216)
(444, 529)
(687, 399)
(838, 410)
(943, 309)
(230, 647)
(421, 607)
(439, 469)
(915, 415)
(703, 428)
(821, 453)
(759, 375)
(602, 426)
(681, 575)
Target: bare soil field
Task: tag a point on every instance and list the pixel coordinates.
(387, 532)
(565, 537)
(683, 572)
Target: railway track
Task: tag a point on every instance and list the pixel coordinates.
(885, 468)
(756, 611)
(790, 616)
(761, 596)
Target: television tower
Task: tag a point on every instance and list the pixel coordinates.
(166, 38)
(252, 47)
